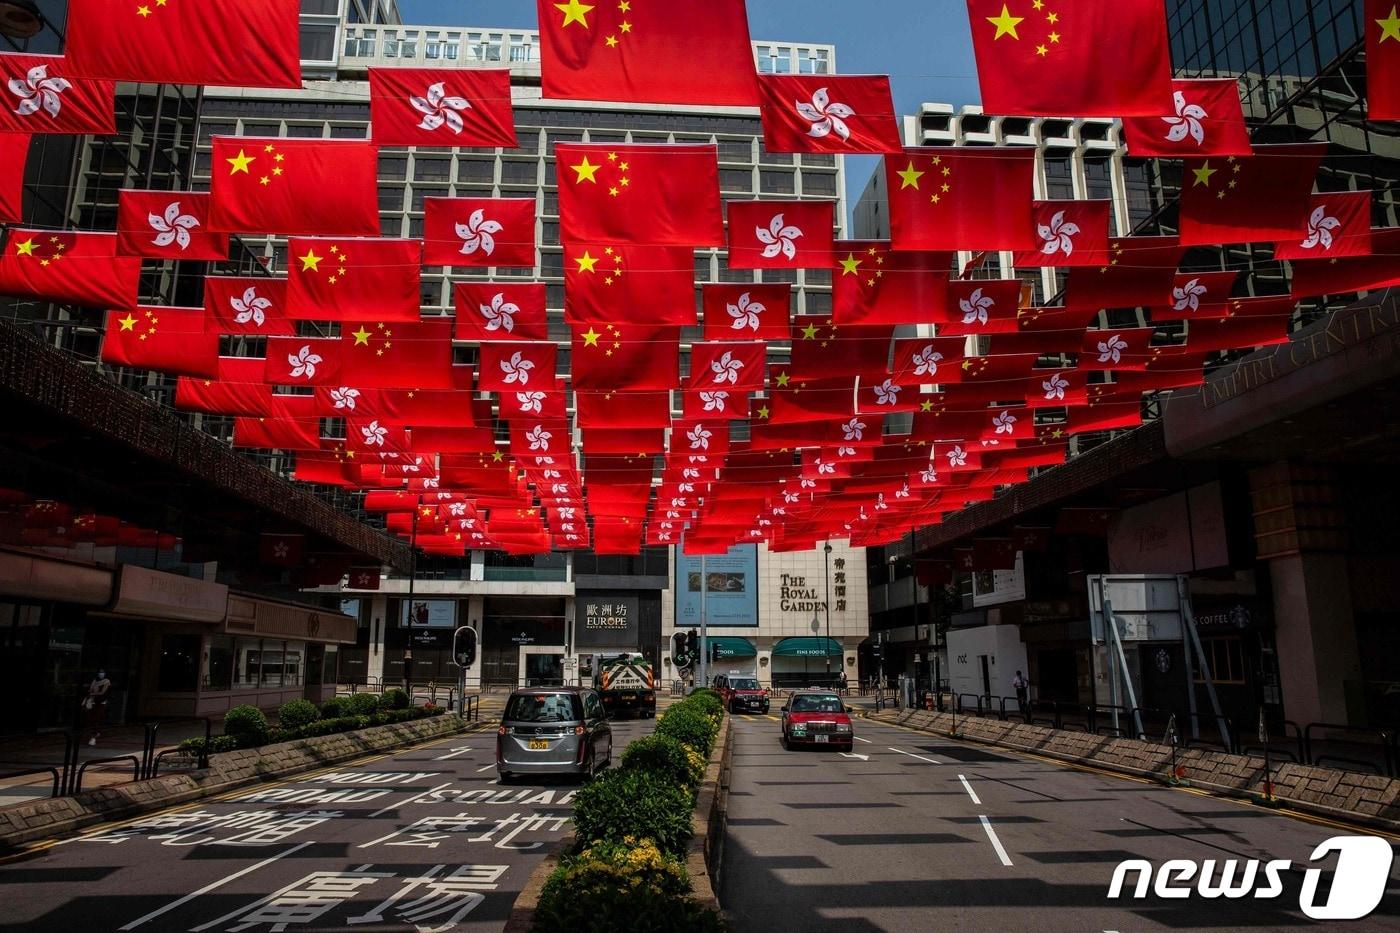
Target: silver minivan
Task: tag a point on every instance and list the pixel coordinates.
(553, 730)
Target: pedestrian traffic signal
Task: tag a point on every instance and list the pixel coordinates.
(464, 646)
(680, 649)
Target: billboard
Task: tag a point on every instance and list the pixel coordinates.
(428, 613)
(607, 620)
(731, 588)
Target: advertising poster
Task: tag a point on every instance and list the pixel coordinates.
(731, 588)
(428, 613)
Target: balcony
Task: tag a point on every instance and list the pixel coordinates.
(369, 46)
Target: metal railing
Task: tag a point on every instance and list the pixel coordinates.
(471, 707)
(1346, 741)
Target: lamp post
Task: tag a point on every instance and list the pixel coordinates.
(412, 573)
(826, 648)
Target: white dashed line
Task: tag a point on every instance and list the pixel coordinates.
(487, 768)
(859, 739)
(932, 761)
(996, 843)
(970, 792)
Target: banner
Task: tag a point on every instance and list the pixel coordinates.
(731, 588)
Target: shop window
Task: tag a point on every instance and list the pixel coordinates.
(247, 663)
(219, 674)
(1226, 657)
(293, 671)
(179, 664)
(273, 654)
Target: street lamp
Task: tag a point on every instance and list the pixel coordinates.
(826, 648)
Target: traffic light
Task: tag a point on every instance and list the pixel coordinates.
(680, 649)
(694, 647)
(464, 646)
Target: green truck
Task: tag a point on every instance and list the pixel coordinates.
(627, 683)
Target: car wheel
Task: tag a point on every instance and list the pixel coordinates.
(591, 771)
(784, 740)
(504, 777)
(847, 747)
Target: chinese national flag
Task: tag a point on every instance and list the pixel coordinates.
(821, 350)
(735, 367)
(962, 198)
(1090, 58)
(746, 312)
(304, 361)
(626, 357)
(657, 53)
(1134, 271)
(251, 43)
(982, 306)
(1338, 224)
(497, 311)
(353, 280)
(1265, 196)
(238, 390)
(290, 427)
(513, 367)
(256, 306)
(780, 234)
(1236, 333)
(1382, 20)
(664, 195)
(449, 107)
(1204, 118)
(170, 340)
(828, 113)
(70, 268)
(1359, 273)
(651, 409)
(276, 185)
(167, 225)
(47, 94)
(399, 355)
(14, 150)
(648, 284)
(1070, 233)
(874, 284)
(479, 231)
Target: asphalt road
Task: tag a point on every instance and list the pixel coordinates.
(422, 839)
(923, 833)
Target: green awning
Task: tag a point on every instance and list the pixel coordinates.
(807, 647)
(726, 647)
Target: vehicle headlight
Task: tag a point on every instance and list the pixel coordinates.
(843, 727)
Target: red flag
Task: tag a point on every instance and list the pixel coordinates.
(305, 361)
(1092, 58)
(389, 355)
(47, 94)
(479, 231)
(733, 367)
(874, 284)
(1338, 224)
(821, 350)
(1135, 271)
(238, 390)
(171, 340)
(1204, 117)
(716, 404)
(275, 186)
(534, 402)
(928, 360)
(828, 113)
(1122, 348)
(982, 306)
(1056, 388)
(493, 311)
(1071, 233)
(282, 550)
(14, 151)
(1360, 273)
(1382, 60)
(663, 195)
(71, 268)
(1197, 295)
(1237, 333)
(253, 306)
(167, 225)
(1242, 199)
(962, 198)
(290, 425)
(677, 53)
(780, 234)
(364, 578)
(511, 367)
(649, 284)
(626, 357)
(637, 441)
(648, 409)
(353, 280)
(746, 312)
(441, 107)
(251, 43)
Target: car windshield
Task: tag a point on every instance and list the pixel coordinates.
(743, 683)
(816, 704)
(545, 707)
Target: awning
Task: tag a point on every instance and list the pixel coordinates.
(807, 647)
(726, 647)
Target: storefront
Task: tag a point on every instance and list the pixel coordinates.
(806, 661)
(730, 654)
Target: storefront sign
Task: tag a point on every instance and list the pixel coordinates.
(155, 594)
(607, 620)
(730, 588)
(1236, 617)
(1171, 534)
(248, 615)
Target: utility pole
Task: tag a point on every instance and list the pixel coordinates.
(704, 645)
(826, 648)
(408, 613)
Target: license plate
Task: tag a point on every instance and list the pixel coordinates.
(539, 745)
(821, 738)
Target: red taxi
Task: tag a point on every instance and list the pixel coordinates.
(817, 718)
(741, 693)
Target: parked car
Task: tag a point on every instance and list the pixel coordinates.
(741, 693)
(553, 730)
(816, 717)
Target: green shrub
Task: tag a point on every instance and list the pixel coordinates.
(247, 725)
(217, 743)
(394, 698)
(294, 714)
(689, 726)
(707, 702)
(361, 704)
(636, 803)
(334, 708)
(663, 755)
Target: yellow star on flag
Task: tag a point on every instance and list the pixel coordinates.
(763, 411)
(1203, 174)
(1006, 23)
(586, 171)
(361, 336)
(574, 12)
(783, 380)
(26, 248)
(240, 163)
(143, 11)
(311, 261)
(590, 337)
(1390, 26)
(587, 263)
(910, 176)
(127, 322)
(809, 332)
(850, 265)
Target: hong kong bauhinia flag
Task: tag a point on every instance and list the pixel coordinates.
(1382, 23)
(1069, 233)
(665, 195)
(73, 268)
(14, 150)
(780, 234)
(171, 340)
(251, 43)
(255, 305)
(1090, 58)
(1205, 118)
(828, 113)
(46, 94)
(1338, 224)
(353, 280)
(660, 53)
(167, 225)
(500, 312)
(479, 231)
(746, 311)
(1265, 196)
(274, 185)
(441, 107)
(961, 198)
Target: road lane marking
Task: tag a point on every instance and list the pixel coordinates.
(453, 754)
(413, 799)
(970, 792)
(486, 768)
(855, 755)
(932, 761)
(859, 739)
(212, 886)
(996, 843)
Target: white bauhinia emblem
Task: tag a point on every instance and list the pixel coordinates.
(825, 115)
(975, 307)
(726, 368)
(1058, 235)
(844, 452)
(1320, 227)
(886, 393)
(1005, 423)
(532, 402)
(779, 237)
(714, 401)
(344, 397)
(1187, 121)
(374, 434)
(699, 437)
(790, 497)
(538, 437)
(957, 456)
(1054, 387)
(853, 430)
(517, 369)
(824, 467)
(304, 362)
(457, 508)
(929, 476)
(1188, 296)
(745, 313)
(500, 314)
(251, 307)
(37, 91)
(926, 361)
(1111, 349)
(173, 227)
(478, 233)
(439, 109)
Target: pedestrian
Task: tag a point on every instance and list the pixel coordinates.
(844, 683)
(95, 703)
(1023, 690)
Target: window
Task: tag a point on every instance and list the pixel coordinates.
(247, 663)
(1226, 657)
(515, 172)
(736, 179)
(179, 664)
(393, 168)
(548, 707)
(432, 169)
(478, 170)
(1098, 180)
(273, 657)
(420, 192)
(822, 184)
(317, 43)
(773, 182)
(735, 150)
(219, 674)
(293, 670)
(390, 198)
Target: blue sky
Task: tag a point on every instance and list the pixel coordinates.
(923, 45)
